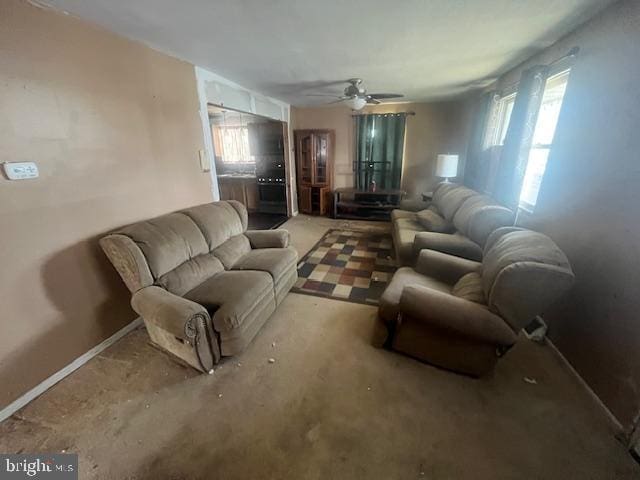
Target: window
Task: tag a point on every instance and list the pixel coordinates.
(233, 144)
(543, 138)
(497, 129)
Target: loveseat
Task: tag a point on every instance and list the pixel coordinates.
(463, 315)
(457, 221)
(203, 284)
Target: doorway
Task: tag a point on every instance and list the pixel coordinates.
(250, 155)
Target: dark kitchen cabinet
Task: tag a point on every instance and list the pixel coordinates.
(314, 167)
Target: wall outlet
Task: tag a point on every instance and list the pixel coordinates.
(20, 170)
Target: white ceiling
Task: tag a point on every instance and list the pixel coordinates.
(426, 49)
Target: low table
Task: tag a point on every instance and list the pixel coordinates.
(365, 205)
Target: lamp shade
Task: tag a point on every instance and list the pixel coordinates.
(357, 103)
(447, 166)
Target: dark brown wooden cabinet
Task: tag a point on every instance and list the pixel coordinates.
(314, 167)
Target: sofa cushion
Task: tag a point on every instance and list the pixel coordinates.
(486, 220)
(398, 214)
(190, 274)
(230, 297)
(167, 241)
(522, 272)
(469, 287)
(218, 221)
(232, 250)
(449, 203)
(466, 211)
(433, 222)
(275, 261)
(404, 276)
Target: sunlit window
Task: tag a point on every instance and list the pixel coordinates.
(497, 130)
(231, 144)
(545, 128)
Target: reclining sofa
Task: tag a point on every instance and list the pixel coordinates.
(201, 281)
(458, 221)
(463, 315)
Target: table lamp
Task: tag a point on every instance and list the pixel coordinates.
(447, 166)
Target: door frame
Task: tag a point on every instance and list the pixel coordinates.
(288, 158)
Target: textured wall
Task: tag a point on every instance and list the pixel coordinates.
(437, 127)
(589, 204)
(114, 129)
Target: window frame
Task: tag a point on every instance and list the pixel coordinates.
(561, 71)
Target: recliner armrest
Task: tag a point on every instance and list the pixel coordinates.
(278, 238)
(186, 320)
(445, 267)
(454, 244)
(170, 312)
(454, 314)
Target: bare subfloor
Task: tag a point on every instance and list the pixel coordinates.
(330, 407)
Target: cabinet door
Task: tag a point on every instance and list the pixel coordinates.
(226, 192)
(304, 155)
(304, 199)
(321, 158)
(251, 193)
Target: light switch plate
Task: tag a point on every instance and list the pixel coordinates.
(205, 165)
(20, 170)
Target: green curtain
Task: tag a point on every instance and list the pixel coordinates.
(379, 147)
(517, 143)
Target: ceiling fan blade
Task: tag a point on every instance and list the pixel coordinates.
(323, 95)
(341, 99)
(380, 96)
(373, 101)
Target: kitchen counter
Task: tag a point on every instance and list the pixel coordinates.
(247, 176)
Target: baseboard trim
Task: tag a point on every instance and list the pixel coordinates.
(612, 418)
(46, 384)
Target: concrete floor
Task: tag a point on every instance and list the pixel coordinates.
(330, 407)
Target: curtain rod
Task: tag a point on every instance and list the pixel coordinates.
(384, 113)
(573, 52)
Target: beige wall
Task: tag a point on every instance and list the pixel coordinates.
(589, 204)
(115, 131)
(437, 127)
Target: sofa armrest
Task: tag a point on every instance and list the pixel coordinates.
(454, 314)
(186, 320)
(453, 244)
(278, 238)
(443, 266)
(172, 313)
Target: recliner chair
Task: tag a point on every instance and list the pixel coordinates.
(463, 315)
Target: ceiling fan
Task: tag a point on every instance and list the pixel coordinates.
(356, 96)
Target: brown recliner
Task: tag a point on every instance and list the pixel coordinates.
(463, 315)
(203, 284)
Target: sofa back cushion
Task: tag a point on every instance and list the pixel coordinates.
(479, 215)
(486, 220)
(176, 251)
(449, 202)
(167, 241)
(523, 273)
(218, 221)
(470, 206)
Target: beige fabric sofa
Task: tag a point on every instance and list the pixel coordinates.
(458, 221)
(462, 315)
(201, 281)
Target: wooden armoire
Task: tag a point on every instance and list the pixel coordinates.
(314, 170)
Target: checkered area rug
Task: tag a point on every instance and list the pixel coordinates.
(347, 265)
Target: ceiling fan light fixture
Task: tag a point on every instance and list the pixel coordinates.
(357, 103)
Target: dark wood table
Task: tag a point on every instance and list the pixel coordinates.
(358, 204)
